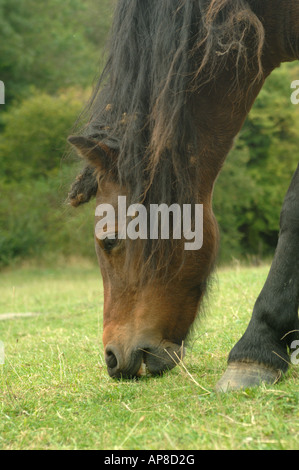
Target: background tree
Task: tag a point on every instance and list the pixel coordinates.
(50, 44)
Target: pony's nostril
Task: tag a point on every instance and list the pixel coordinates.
(120, 365)
(110, 357)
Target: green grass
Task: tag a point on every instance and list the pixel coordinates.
(55, 392)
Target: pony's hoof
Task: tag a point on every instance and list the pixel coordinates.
(242, 375)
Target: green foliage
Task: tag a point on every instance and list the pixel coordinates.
(232, 199)
(49, 52)
(251, 188)
(50, 44)
(36, 222)
(271, 135)
(34, 219)
(34, 137)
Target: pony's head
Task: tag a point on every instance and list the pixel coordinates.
(153, 139)
(152, 287)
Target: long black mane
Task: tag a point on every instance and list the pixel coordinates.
(160, 53)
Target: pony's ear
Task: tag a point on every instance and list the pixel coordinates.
(100, 160)
(84, 187)
(96, 153)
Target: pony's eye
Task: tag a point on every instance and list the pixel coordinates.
(110, 243)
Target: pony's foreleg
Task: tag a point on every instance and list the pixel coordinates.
(261, 355)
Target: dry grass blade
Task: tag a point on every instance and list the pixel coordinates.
(182, 365)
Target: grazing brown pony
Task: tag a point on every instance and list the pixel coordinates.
(180, 79)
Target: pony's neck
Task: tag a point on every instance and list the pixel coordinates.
(220, 114)
(219, 118)
(281, 22)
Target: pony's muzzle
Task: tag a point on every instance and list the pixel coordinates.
(165, 357)
(153, 360)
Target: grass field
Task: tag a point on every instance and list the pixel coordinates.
(55, 392)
